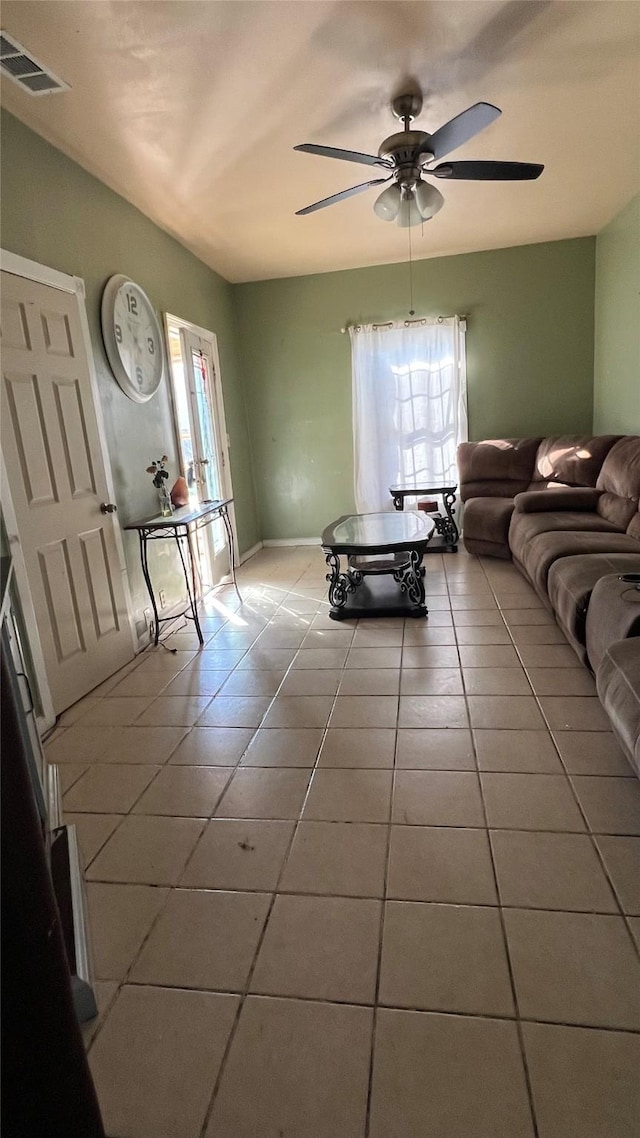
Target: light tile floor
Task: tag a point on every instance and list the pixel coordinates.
(369, 880)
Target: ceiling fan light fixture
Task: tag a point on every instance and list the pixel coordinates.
(406, 157)
(409, 214)
(387, 203)
(429, 200)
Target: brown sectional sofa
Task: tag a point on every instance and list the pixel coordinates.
(566, 510)
(613, 639)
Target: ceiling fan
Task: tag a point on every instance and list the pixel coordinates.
(409, 156)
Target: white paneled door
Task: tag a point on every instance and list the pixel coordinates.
(58, 484)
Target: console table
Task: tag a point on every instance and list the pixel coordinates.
(180, 528)
(444, 522)
(377, 546)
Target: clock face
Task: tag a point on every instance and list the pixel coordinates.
(133, 338)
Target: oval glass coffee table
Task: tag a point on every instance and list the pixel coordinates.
(381, 573)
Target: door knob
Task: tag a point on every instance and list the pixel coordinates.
(108, 508)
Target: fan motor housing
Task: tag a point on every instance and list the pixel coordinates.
(401, 147)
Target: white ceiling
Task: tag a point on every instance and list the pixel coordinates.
(190, 110)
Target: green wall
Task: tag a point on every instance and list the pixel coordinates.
(56, 213)
(617, 324)
(529, 354)
(286, 368)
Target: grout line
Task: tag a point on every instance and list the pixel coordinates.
(570, 777)
(397, 899)
(169, 888)
(121, 814)
(274, 894)
(443, 567)
(383, 906)
(406, 825)
(409, 1008)
(505, 938)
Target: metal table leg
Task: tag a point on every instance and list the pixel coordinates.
(447, 527)
(144, 560)
(232, 552)
(189, 583)
(411, 581)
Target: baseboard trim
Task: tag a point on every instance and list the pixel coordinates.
(273, 543)
(250, 553)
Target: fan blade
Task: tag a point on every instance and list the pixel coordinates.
(489, 171)
(460, 129)
(341, 196)
(346, 155)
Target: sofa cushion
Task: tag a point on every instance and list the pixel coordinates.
(613, 614)
(619, 480)
(618, 683)
(539, 554)
(496, 467)
(486, 521)
(570, 584)
(524, 527)
(575, 460)
(557, 498)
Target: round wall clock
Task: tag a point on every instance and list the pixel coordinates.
(133, 338)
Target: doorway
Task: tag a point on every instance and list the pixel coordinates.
(203, 443)
(66, 545)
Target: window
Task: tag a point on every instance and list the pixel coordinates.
(409, 406)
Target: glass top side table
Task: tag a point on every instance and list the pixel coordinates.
(376, 547)
(444, 521)
(180, 527)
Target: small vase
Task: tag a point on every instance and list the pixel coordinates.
(166, 508)
(180, 492)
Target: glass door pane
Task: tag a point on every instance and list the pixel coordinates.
(209, 472)
(182, 412)
(208, 458)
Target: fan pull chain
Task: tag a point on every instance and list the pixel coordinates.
(411, 308)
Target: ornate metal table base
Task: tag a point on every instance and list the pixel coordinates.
(407, 571)
(191, 611)
(445, 524)
(411, 579)
(182, 527)
(340, 584)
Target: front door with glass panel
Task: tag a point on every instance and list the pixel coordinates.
(203, 447)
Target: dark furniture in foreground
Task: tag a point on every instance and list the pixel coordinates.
(47, 1087)
(566, 510)
(446, 528)
(376, 547)
(180, 527)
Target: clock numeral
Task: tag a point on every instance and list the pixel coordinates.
(151, 346)
(132, 304)
(139, 376)
(118, 332)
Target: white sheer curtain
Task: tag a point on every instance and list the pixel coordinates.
(409, 405)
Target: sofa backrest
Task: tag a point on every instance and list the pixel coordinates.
(572, 460)
(496, 468)
(619, 481)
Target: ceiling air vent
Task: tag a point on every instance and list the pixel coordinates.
(21, 67)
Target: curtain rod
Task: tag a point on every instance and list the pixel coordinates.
(390, 323)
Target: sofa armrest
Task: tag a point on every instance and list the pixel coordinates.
(561, 498)
(496, 468)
